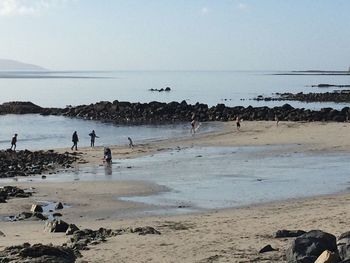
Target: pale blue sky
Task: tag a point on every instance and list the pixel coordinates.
(177, 34)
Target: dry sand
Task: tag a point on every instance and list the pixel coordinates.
(230, 235)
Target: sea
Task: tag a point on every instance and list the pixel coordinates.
(233, 88)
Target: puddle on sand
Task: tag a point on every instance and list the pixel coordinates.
(202, 178)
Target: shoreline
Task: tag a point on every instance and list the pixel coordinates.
(227, 234)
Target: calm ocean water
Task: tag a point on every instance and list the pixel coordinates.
(61, 88)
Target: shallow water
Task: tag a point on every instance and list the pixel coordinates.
(203, 178)
(58, 89)
(45, 132)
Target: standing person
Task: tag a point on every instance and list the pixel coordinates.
(238, 123)
(14, 142)
(93, 137)
(75, 141)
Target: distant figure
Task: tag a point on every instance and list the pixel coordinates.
(93, 137)
(238, 123)
(107, 155)
(75, 141)
(193, 126)
(14, 142)
(276, 120)
(131, 144)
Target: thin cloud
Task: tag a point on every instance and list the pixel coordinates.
(242, 6)
(26, 7)
(204, 11)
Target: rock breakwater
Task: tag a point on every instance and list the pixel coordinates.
(160, 113)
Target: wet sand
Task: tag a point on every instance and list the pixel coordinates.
(229, 235)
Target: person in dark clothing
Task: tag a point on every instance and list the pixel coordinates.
(93, 137)
(14, 142)
(75, 141)
(107, 155)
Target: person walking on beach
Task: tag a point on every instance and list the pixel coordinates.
(131, 144)
(93, 137)
(276, 120)
(75, 141)
(193, 126)
(238, 123)
(14, 142)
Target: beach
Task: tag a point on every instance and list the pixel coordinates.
(216, 235)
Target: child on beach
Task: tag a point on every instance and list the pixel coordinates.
(107, 155)
(276, 120)
(14, 142)
(131, 144)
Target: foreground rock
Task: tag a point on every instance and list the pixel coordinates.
(309, 246)
(25, 163)
(37, 253)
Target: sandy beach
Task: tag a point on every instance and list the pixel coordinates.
(227, 235)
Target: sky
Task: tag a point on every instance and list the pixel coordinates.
(177, 34)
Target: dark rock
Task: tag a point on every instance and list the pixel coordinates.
(59, 206)
(37, 253)
(309, 246)
(56, 214)
(267, 248)
(36, 208)
(71, 229)
(56, 226)
(147, 230)
(289, 233)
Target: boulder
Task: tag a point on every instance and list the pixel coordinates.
(309, 246)
(56, 226)
(36, 208)
(59, 206)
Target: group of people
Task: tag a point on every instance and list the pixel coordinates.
(107, 153)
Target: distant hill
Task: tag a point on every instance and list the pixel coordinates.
(9, 65)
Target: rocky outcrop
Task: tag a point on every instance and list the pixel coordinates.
(157, 112)
(19, 107)
(37, 253)
(25, 163)
(7, 192)
(336, 96)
